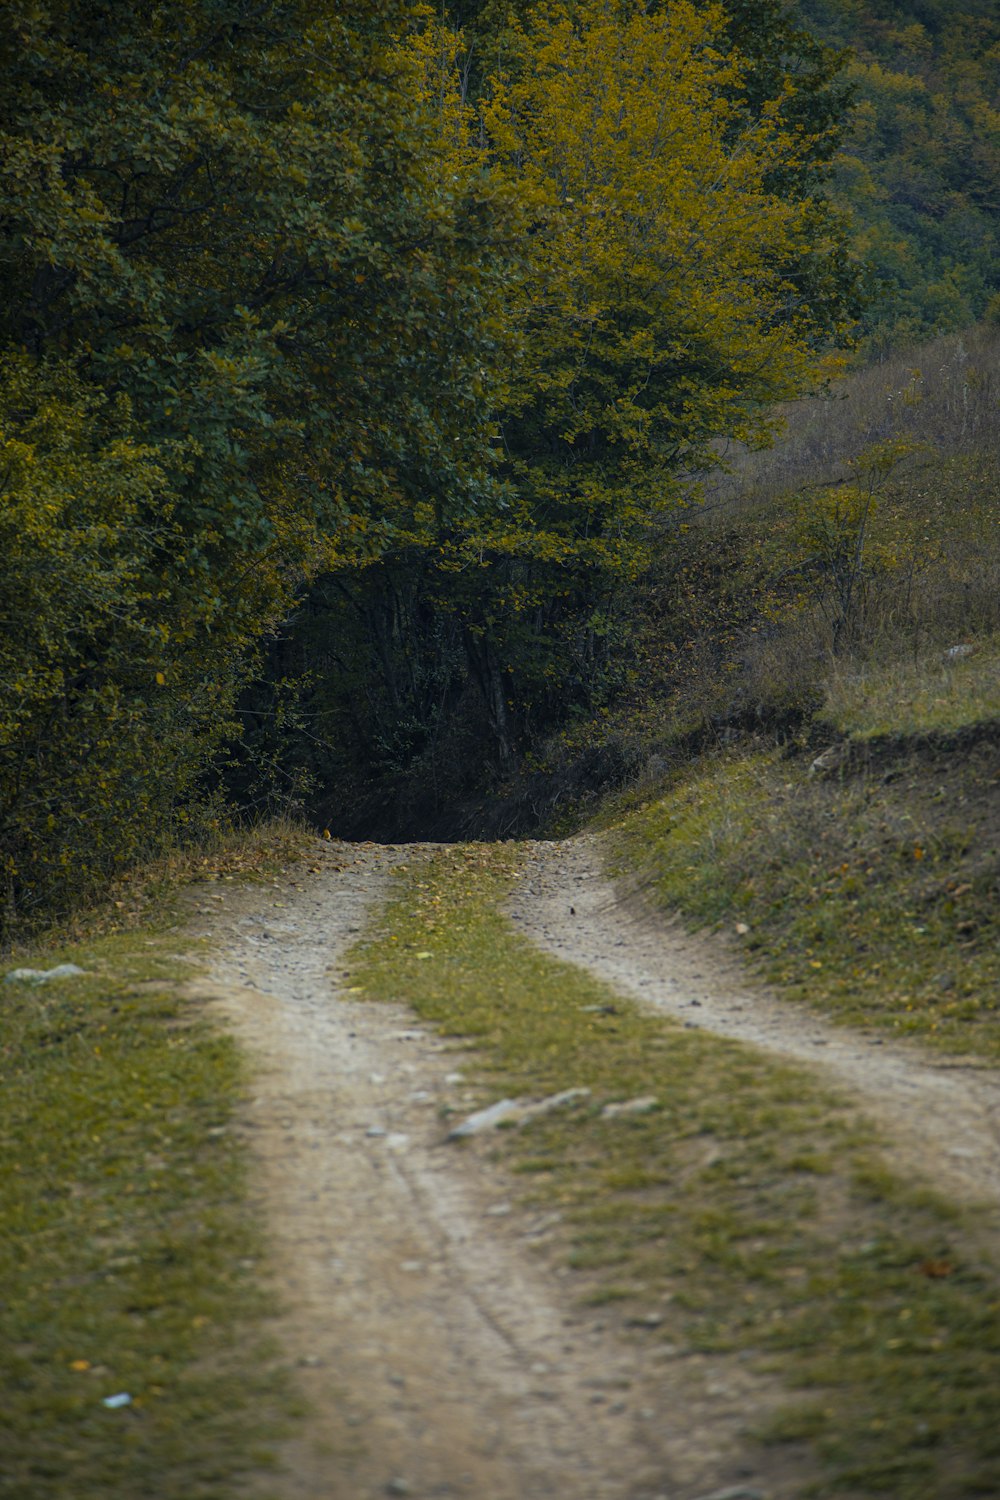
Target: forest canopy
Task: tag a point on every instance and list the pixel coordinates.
(305, 317)
(681, 271)
(920, 164)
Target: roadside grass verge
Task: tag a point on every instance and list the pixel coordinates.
(128, 1260)
(869, 893)
(143, 895)
(747, 1211)
(932, 694)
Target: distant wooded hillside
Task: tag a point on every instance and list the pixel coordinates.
(920, 167)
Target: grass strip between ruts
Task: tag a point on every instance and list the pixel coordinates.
(749, 1208)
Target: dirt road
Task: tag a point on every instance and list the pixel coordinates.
(940, 1115)
(440, 1354)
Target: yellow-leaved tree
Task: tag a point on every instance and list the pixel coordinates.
(659, 309)
(677, 273)
(661, 306)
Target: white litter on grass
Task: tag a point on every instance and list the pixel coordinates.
(630, 1107)
(114, 1402)
(485, 1119)
(554, 1101)
(43, 976)
(515, 1111)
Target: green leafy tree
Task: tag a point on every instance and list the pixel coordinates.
(665, 308)
(85, 749)
(668, 297)
(231, 220)
(920, 166)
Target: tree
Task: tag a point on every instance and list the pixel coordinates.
(230, 220)
(920, 164)
(680, 275)
(665, 306)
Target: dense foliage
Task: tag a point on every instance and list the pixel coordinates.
(681, 271)
(369, 351)
(246, 318)
(921, 164)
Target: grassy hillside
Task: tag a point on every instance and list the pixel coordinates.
(835, 574)
(815, 721)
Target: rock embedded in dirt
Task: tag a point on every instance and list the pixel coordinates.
(735, 1492)
(43, 976)
(554, 1101)
(515, 1112)
(486, 1119)
(647, 1320)
(642, 1106)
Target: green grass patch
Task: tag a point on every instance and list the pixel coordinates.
(127, 1262)
(748, 1211)
(936, 694)
(872, 896)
